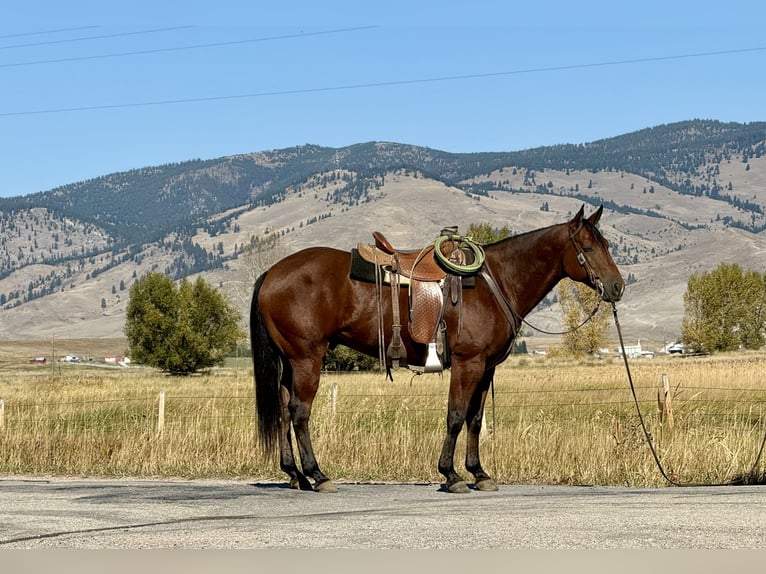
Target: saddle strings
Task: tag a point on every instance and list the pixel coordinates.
(379, 298)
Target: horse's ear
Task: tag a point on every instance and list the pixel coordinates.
(596, 215)
(578, 217)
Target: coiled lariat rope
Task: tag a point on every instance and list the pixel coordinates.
(470, 268)
(750, 478)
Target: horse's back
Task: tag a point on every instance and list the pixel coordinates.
(310, 266)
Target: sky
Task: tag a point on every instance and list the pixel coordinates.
(92, 88)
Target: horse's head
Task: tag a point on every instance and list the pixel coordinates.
(587, 258)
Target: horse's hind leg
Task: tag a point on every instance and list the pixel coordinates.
(305, 385)
(286, 458)
(474, 417)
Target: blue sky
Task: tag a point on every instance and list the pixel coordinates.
(90, 88)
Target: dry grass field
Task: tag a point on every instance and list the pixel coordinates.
(551, 422)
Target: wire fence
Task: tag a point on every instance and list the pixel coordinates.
(157, 409)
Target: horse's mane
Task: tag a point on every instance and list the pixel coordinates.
(521, 237)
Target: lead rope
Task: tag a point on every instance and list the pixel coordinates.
(736, 482)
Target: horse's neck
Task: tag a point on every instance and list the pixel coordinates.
(528, 266)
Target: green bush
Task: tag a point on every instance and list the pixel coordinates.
(181, 328)
(341, 358)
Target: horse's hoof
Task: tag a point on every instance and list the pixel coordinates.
(300, 483)
(325, 486)
(486, 484)
(459, 487)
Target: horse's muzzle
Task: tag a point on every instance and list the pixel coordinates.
(612, 292)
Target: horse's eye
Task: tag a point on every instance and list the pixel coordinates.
(587, 249)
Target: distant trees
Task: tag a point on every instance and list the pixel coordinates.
(181, 328)
(577, 302)
(484, 233)
(342, 358)
(254, 258)
(724, 309)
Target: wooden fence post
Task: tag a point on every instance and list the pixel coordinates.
(161, 414)
(668, 400)
(333, 398)
(665, 404)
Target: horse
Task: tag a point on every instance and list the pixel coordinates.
(306, 303)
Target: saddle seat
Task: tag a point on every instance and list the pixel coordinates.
(418, 264)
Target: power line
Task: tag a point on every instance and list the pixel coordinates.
(182, 48)
(56, 31)
(379, 84)
(100, 37)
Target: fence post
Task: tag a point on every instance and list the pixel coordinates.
(668, 399)
(333, 398)
(2, 414)
(664, 404)
(161, 414)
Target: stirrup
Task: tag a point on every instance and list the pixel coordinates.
(433, 364)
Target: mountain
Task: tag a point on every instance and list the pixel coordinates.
(679, 199)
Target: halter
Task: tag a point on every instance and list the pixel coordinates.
(584, 263)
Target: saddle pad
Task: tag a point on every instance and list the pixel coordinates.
(361, 269)
(364, 270)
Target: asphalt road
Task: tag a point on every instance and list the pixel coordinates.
(117, 514)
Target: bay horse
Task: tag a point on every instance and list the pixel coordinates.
(306, 303)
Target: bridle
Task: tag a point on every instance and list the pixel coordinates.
(594, 279)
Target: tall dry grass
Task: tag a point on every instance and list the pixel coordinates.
(551, 421)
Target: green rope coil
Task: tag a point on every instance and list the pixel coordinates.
(468, 269)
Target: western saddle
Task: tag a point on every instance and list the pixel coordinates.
(431, 279)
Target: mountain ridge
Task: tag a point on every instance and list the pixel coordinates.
(679, 198)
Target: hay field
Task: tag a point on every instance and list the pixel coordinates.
(551, 422)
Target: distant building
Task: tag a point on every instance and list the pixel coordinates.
(674, 349)
(636, 352)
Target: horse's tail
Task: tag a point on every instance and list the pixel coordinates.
(269, 369)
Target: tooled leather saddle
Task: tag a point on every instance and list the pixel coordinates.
(431, 281)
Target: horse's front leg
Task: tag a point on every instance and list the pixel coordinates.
(463, 381)
(305, 385)
(474, 418)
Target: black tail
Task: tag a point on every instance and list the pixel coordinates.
(268, 369)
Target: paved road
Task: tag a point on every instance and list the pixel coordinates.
(115, 514)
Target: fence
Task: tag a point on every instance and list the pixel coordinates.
(347, 401)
